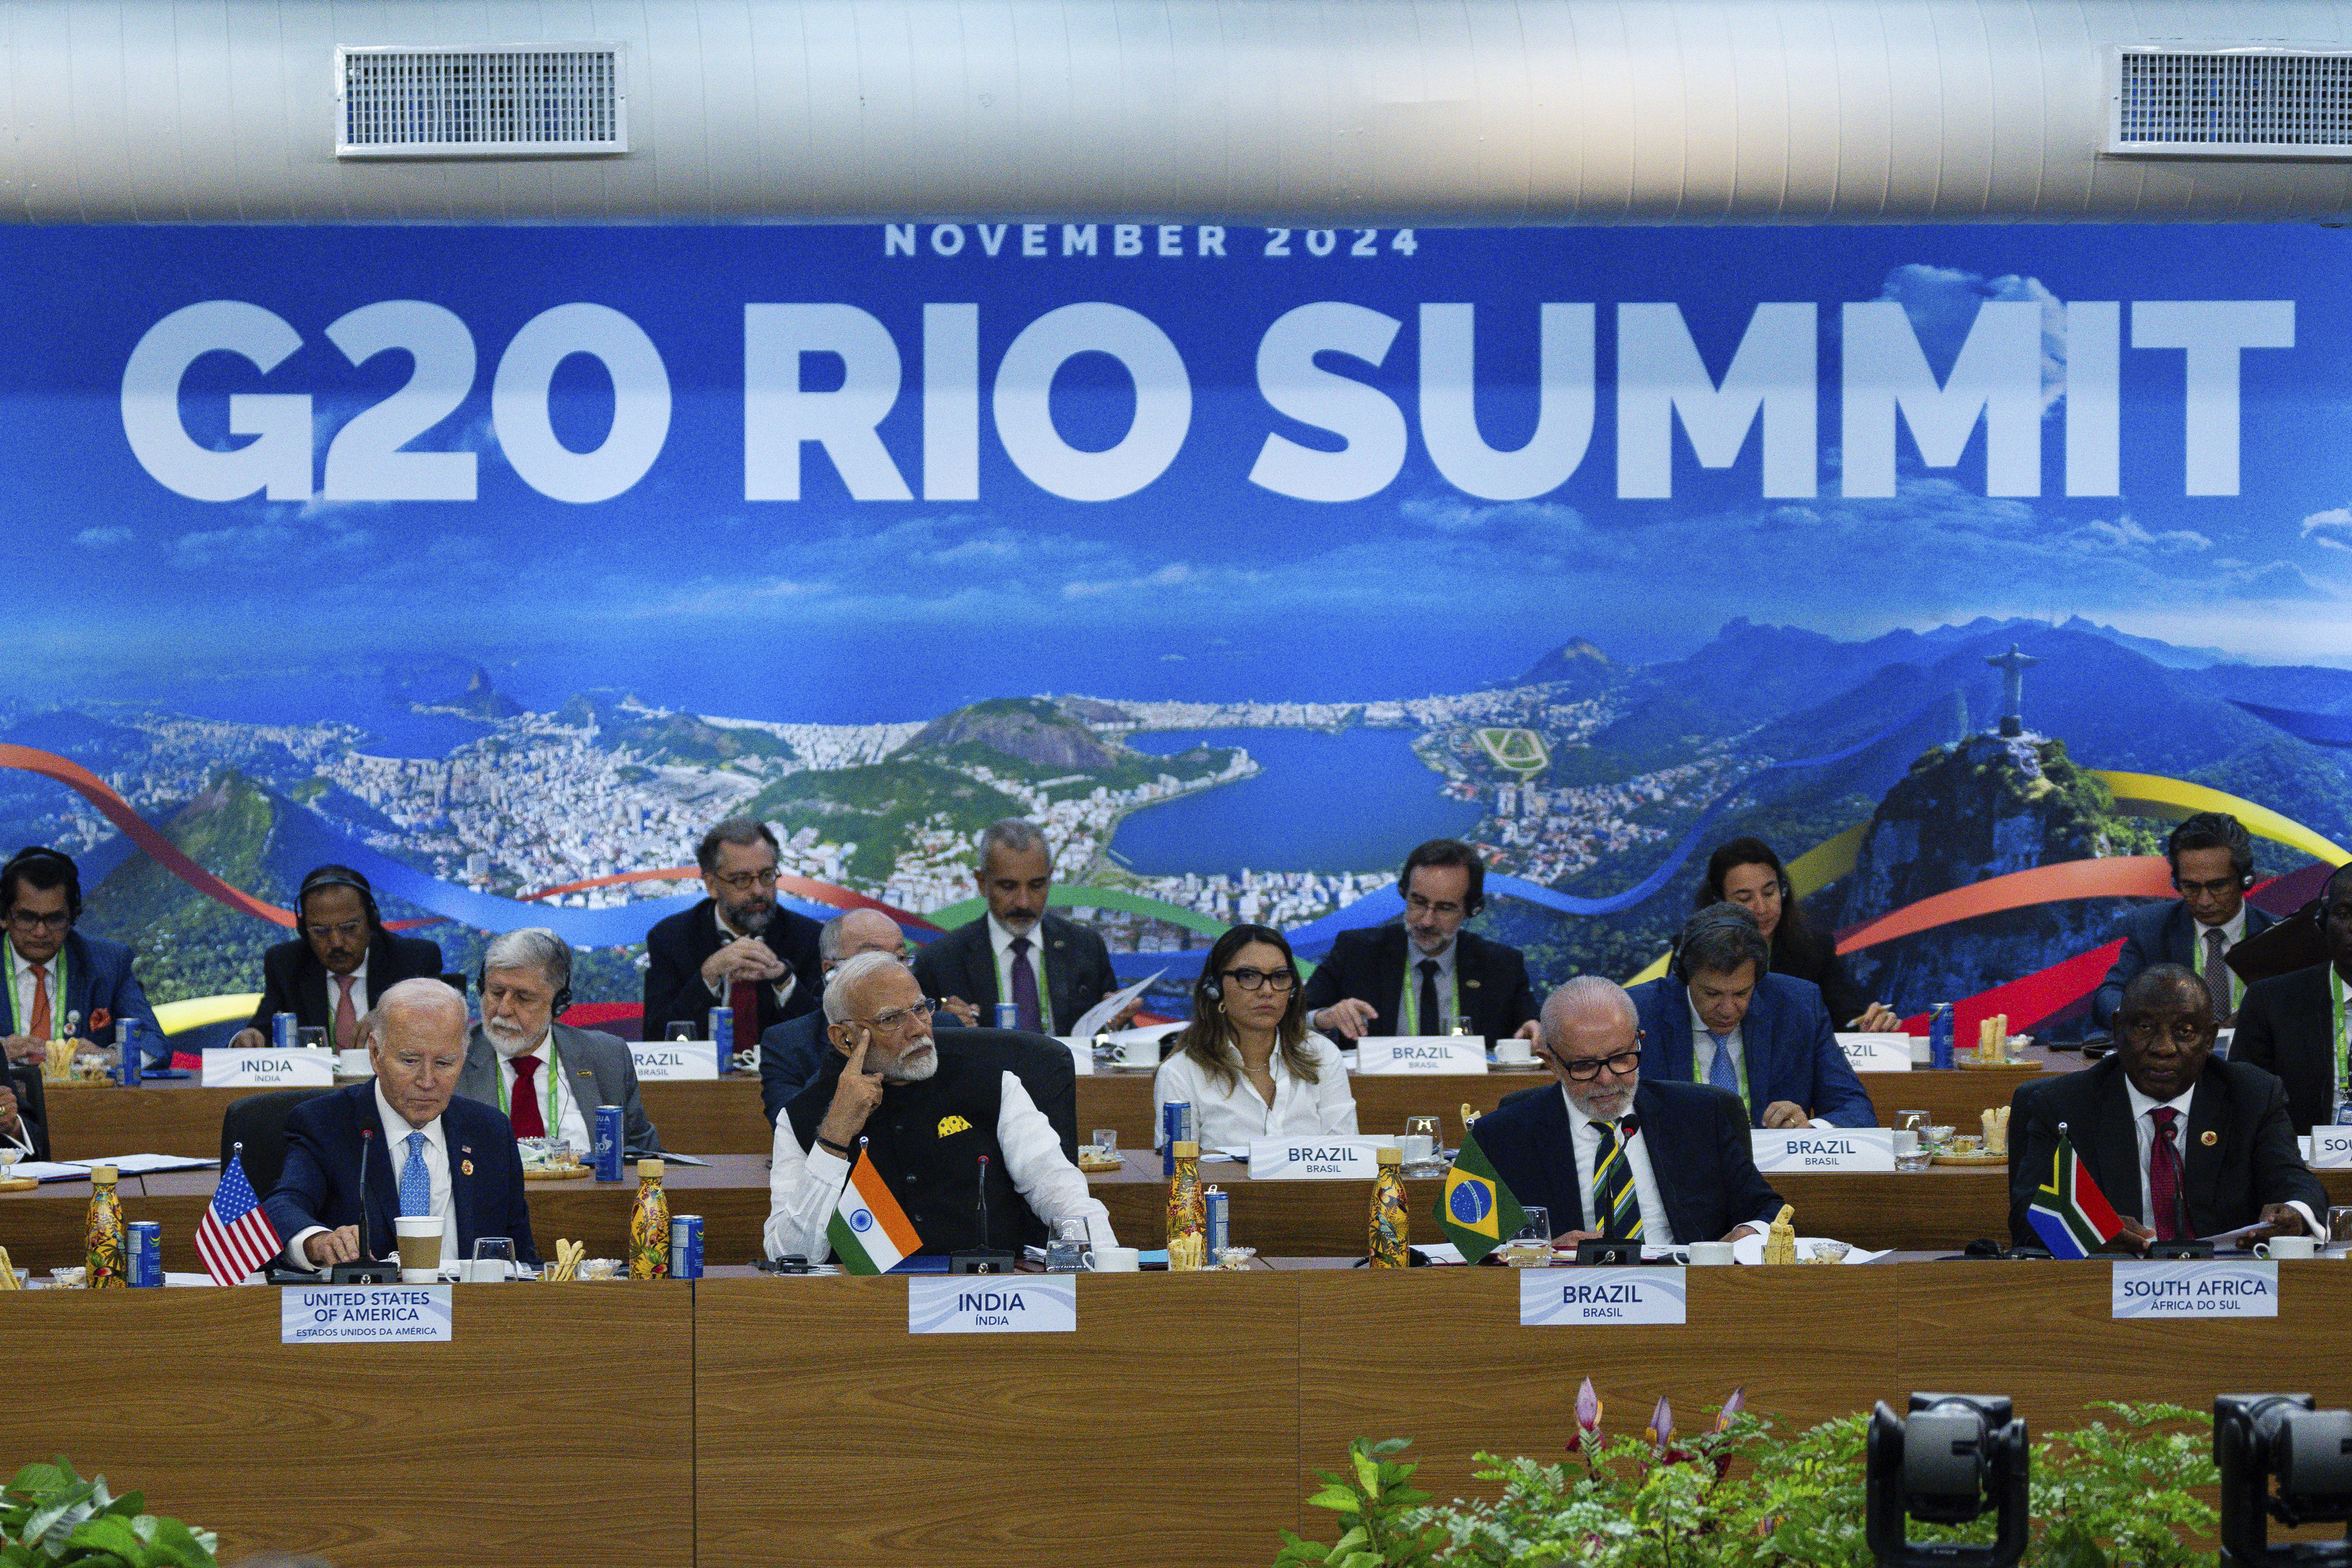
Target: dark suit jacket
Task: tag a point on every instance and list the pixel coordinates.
(24, 1080)
(791, 1056)
(2252, 1160)
(1369, 964)
(98, 981)
(1699, 1150)
(2286, 1026)
(2160, 933)
(320, 1183)
(1077, 969)
(1792, 1053)
(598, 1071)
(294, 981)
(674, 951)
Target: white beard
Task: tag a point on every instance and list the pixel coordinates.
(508, 1042)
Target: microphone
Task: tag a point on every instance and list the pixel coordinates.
(1627, 1125)
(983, 1200)
(367, 1143)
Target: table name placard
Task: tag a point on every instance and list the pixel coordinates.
(993, 1303)
(1876, 1052)
(1082, 1053)
(1554, 1298)
(364, 1314)
(2331, 1147)
(674, 1060)
(2195, 1289)
(228, 1068)
(1421, 1054)
(1316, 1159)
(1825, 1149)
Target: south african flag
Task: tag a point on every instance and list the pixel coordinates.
(2069, 1212)
(1476, 1210)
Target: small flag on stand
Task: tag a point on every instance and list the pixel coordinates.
(235, 1237)
(1477, 1210)
(2069, 1212)
(869, 1231)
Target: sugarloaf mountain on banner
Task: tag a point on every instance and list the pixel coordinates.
(869, 1232)
(1477, 1210)
(2069, 1212)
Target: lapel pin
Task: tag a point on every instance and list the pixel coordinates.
(1470, 985)
(2210, 1138)
(467, 1168)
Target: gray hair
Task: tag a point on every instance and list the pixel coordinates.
(1012, 834)
(849, 976)
(833, 934)
(1721, 939)
(421, 994)
(1587, 992)
(533, 948)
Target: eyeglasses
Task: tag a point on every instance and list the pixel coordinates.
(24, 920)
(347, 930)
(1590, 1067)
(2213, 889)
(897, 1018)
(743, 880)
(1257, 979)
(1420, 906)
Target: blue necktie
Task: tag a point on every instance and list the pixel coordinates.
(1723, 1074)
(415, 1187)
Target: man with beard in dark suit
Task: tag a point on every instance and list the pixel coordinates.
(997, 957)
(1427, 975)
(735, 948)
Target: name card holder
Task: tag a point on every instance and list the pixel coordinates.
(993, 1303)
(1394, 1053)
(1316, 1159)
(269, 1069)
(2197, 1289)
(1082, 1053)
(1570, 1298)
(1876, 1052)
(2331, 1148)
(674, 1060)
(1799, 1149)
(363, 1314)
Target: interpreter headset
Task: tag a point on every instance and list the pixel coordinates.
(41, 854)
(1705, 921)
(2224, 827)
(338, 876)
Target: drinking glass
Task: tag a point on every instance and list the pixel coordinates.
(1106, 1142)
(310, 1039)
(678, 1030)
(1067, 1247)
(1420, 1140)
(1911, 1120)
(2339, 1227)
(1529, 1247)
(494, 1260)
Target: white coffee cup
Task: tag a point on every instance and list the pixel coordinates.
(1139, 1054)
(1906, 1141)
(1117, 1259)
(1710, 1254)
(2287, 1247)
(1416, 1147)
(1514, 1050)
(420, 1245)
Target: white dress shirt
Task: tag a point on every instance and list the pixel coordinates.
(1448, 992)
(334, 991)
(1584, 1132)
(1232, 1118)
(568, 1123)
(395, 1130)
(804, 1185)
(1000, 939)
(2144, 1125)
(727, 934)
(20, 994)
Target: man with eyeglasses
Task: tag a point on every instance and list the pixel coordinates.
(1609, 1153)
(340, 964)
(62, 986)
(792, 1053)
(2181, 1144)
(547, 1077)
(939, 1129)
(2213, 864)
(2299, 1025)
(1428, 975)
(736, 949)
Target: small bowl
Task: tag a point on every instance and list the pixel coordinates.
(1236, 1257)
(1914, 1163)
(601, 1268)
(1828, 1252)
(68, 1279)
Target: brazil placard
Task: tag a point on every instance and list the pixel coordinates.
(1555, 1298)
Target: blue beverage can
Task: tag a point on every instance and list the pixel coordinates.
(720, 1022)
(143, 1242)
(285, 1034)
(686, 1247)
(1008, 1015)
(128, 1049)
(608, 1143)
(1176, 1122)
(1220, 1227)
(1940, 1035)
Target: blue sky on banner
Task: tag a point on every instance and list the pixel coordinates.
(1199, 584)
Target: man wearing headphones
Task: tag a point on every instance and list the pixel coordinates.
(62, 986)
(2299, 1025)
(339, 963)
(548, 1077)
(1428, 974)
(2212, 865)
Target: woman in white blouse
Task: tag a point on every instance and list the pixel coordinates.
(1246, 1062)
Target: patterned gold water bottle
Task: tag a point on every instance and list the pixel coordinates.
(110, 1267)
(1388, 1222)
(1188, 1216)
(649, 1226)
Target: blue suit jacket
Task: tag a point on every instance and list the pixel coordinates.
(1699, 1150)
(791, 1055)
(1793, 1052)
(2160, 933)
(97, 979)
(320, 1183)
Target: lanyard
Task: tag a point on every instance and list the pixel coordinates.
(58, 987)
(1738, 1063)
(553, 1123)
(1409, 999)
(2336, 993)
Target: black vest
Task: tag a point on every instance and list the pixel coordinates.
(925, 1140)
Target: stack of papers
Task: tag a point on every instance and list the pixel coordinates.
(145, 1165)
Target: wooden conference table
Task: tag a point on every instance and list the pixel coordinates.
(747, 1421)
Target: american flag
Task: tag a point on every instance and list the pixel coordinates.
(235, 1237)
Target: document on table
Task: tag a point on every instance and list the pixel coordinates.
(48, 1170)
(146, 1165)
(1090, 1023)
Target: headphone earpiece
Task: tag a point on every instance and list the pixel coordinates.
(58, 857)
(326, 878)
(2248, 880)
(562, 999)
(1213, 990)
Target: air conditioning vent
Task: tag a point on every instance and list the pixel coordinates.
(512, 101)
(2275, 103)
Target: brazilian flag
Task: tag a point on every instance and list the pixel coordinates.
(1476, 1210)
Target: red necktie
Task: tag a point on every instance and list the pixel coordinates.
(527, 1122)
(347, 1021)
(2164, 1177)
(39, 1026)
(743, 1001)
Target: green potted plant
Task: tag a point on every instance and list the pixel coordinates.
(50, 1515)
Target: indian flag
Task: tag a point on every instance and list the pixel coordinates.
(2069, 1212)
(869, 1231)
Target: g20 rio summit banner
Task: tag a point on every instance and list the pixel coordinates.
(501, 562)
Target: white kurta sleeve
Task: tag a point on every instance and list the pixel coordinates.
(804, 1187)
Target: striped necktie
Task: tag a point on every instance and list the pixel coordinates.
(1613, 1202)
